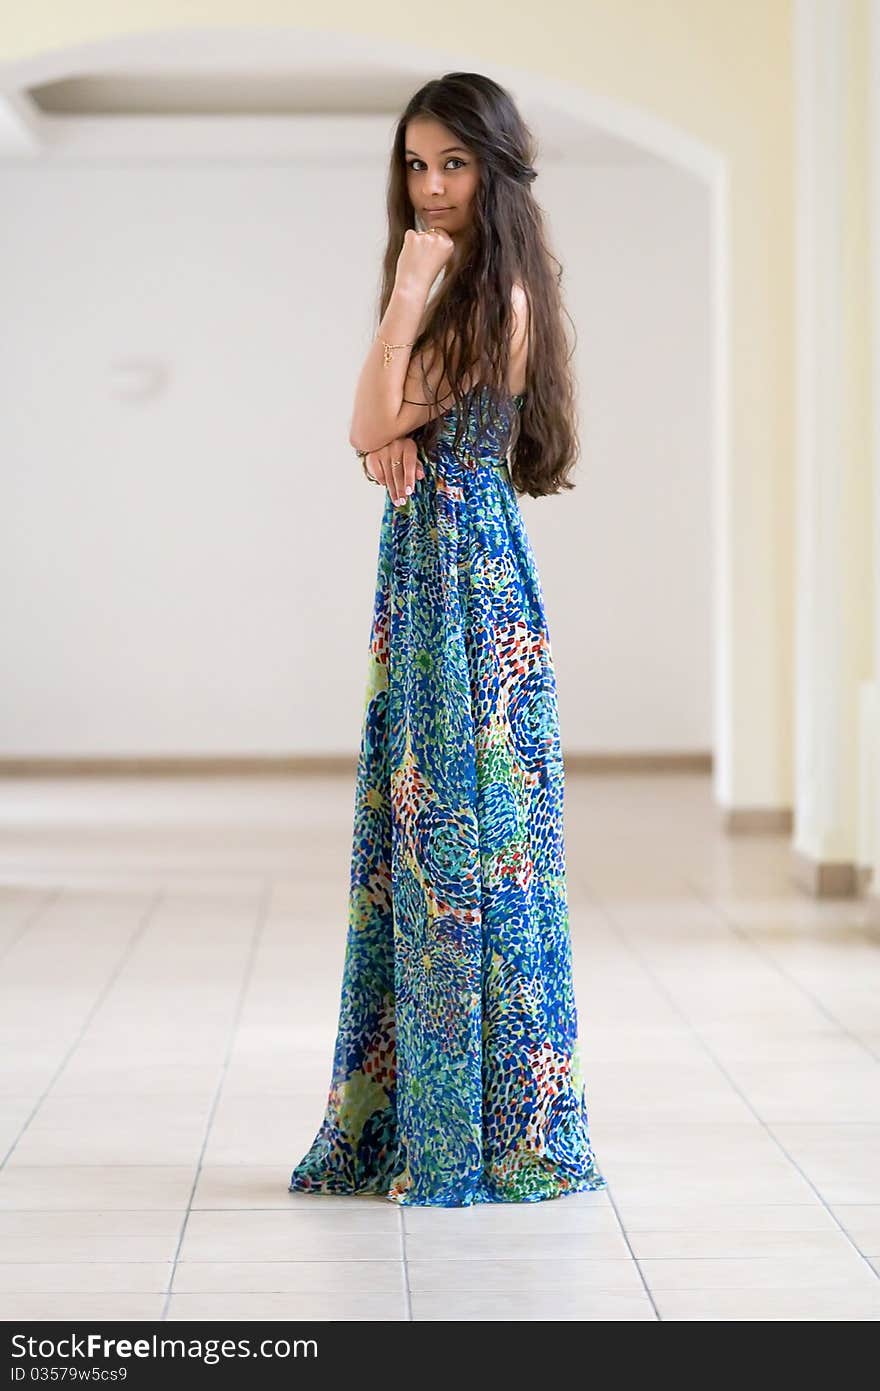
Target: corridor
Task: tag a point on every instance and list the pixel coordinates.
(171, 957)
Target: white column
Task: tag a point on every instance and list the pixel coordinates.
(832, 632)
(869, 840)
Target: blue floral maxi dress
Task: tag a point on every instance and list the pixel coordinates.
(456, 1072)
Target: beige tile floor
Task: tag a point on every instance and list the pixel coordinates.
(170, 960)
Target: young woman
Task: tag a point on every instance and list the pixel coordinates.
(456, 1076)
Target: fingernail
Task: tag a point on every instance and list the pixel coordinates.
(408, 491)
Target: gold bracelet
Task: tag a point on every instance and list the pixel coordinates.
(362, 455)
(389, 348)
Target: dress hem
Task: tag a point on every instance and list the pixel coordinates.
(481, 1194)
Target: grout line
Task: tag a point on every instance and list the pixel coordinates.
(125, 953)
(377, 1260)
(50, 896)
(742, 934)
(356, 1260)
(638, 1265)
(145, 1260)
(608, 916)
(292, 1207)
(407, 1292)
(256, 937)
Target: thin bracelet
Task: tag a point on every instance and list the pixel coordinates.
(389, 348)
(362, 455)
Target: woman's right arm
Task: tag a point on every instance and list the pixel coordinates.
(380, 412)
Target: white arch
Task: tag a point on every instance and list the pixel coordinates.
(27, 132)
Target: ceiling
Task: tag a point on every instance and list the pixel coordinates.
(322, 92)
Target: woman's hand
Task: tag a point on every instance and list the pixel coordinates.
(423, 256)
(396, 465)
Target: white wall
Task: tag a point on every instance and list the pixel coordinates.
(626, 557)
(194, 573)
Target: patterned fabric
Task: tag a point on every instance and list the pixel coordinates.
(456, 1073)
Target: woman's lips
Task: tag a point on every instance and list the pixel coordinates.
(431, 212)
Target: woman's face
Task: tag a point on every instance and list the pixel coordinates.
(440, 174)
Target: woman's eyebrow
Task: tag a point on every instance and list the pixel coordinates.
(447, 151)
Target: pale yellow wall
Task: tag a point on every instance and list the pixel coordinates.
(859, 591)
(722, 71)
(857, 329)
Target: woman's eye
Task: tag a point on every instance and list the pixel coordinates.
(454, 159)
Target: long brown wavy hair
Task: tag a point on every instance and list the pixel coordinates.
(470, 318)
